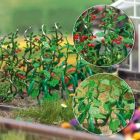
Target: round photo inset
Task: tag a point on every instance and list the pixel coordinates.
(103, 104)
(104, 35)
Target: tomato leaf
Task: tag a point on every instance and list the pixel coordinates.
(100, 34)
(120, 18)
(54, 82)
(30, 89)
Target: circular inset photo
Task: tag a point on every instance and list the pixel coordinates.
(104, 35)
(103, 104)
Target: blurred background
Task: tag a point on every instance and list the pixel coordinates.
(24, 13)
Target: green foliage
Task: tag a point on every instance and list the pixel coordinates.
(102, 111)
(41, 67)
(17, 135)
(113, 41)
(4, 95)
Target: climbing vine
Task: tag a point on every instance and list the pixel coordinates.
(103, 104)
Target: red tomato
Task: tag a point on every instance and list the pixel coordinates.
(118, 42)
(52, 74)
(93, 37)
(93, 17)
(21, 76)
(76, 37)
(128, 46)
(36, 39)
(120, 38)
(91, 45)
(83, 38)
(67, 79)
(71, 70)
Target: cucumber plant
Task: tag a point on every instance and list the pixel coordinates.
(103, 104)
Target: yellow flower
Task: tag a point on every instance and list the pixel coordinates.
(64, 105)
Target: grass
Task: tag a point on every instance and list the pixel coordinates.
(17, 135)
(13, 136)
(50, 112)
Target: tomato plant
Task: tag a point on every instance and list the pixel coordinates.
(41, 67)
(103, 104)
(103, 35)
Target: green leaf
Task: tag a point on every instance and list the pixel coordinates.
(53, 82)
(34, 93)
(128, 115)
(46, 73)
(116, 91)
(58, 70)
(132, 106)
(112, 101)
(36, 65)
(122, 120)
(53, 48)
(128, 41)
(30, 88)
(84, 84)
(81, 106)
(114, 125)
(89, 94)
(48, 60)
(45, 89)
(125, 87)
(82, 117)
(96, 102)
(92, 84)
(97, 131)
(79, 48)
(99, 116)
(81, 98)
(95, 112)
(120, 18)
(107, 106)
(91, 126)
(100, 34)
(105, 82)
(54, 96)
(45, 44)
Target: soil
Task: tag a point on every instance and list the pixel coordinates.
(23, 103)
